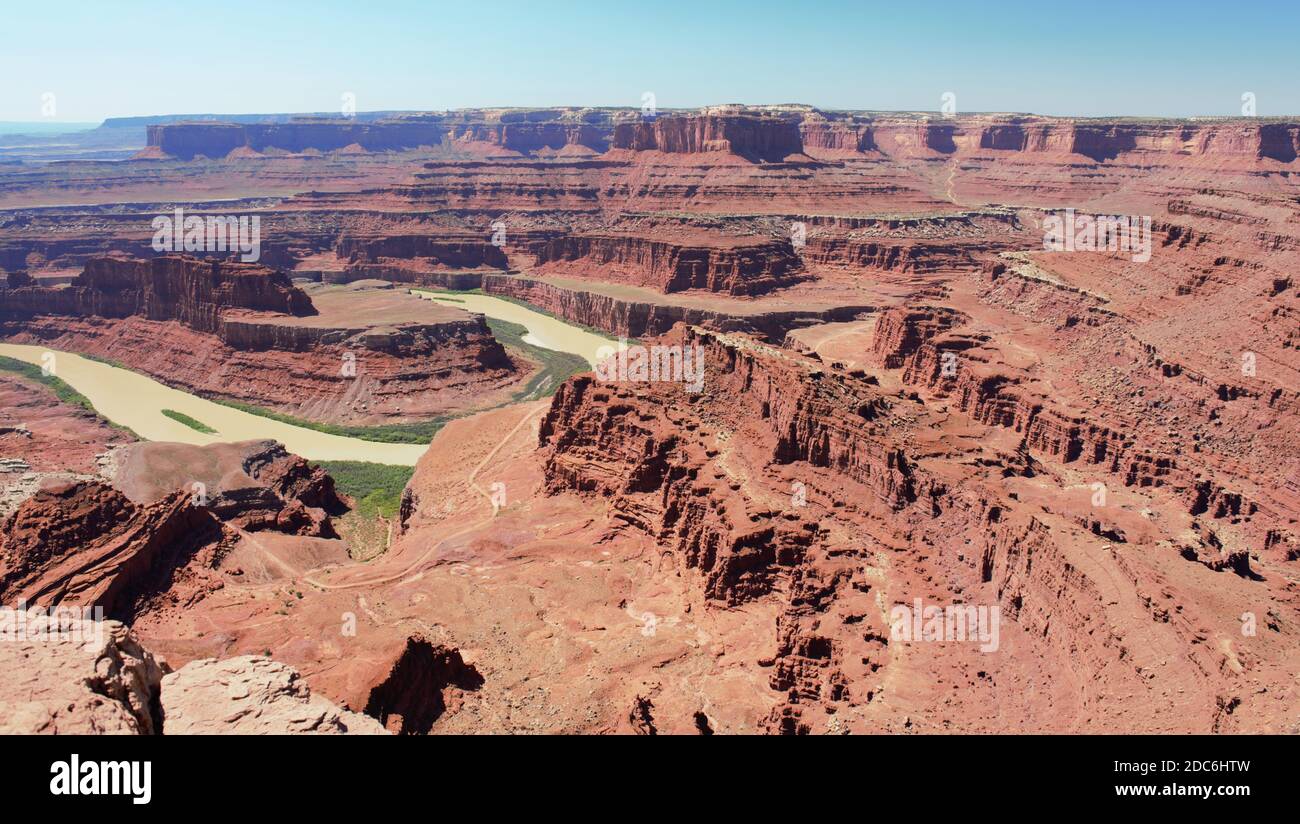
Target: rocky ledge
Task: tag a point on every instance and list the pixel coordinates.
(72, 675)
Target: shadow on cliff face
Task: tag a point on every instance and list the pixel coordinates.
(1279, 141)
(415, 692)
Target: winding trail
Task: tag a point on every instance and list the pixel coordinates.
(949, 183)
(420, 562)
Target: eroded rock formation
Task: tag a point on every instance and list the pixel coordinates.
(87, 544)
(824, 455)
(71, 675)
(251, 696)
(245, 332)
(196, 293)
(253, 485)
(749, 136)
(421, 682)
(672, 266)
(910, 399)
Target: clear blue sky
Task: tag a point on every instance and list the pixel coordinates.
(1156, 58)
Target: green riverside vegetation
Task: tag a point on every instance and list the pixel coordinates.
(181, 417)
(61, 389)
(419, 432)
(557, 367)
(376, 488)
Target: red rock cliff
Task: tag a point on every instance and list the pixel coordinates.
(751, 136)
(216, 140)
(451, 252)
(528, 138)
(86, 544)
(733, 267)
(192, 291)
(892, 508)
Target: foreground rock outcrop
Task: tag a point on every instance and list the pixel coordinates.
(253, 485)
(71, 675)
(251, 696)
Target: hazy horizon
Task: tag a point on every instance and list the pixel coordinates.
(38, 127)
(1156, 60)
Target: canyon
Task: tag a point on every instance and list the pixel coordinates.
(245, 333)
(909, 400)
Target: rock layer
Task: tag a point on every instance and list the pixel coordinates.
(673, 266)
(254, 485)
(910, 399)
(861, 460)
(87, 544)
(420, 683)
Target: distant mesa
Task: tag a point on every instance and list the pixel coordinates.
(755, 133)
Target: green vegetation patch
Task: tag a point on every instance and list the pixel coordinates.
(61, 389)
(417, 432)
(376, 488)
(181, 417)
(557, 367)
